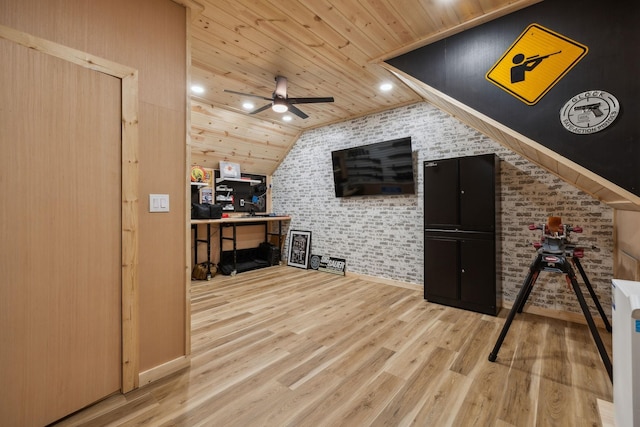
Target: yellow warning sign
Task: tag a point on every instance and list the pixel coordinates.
(535, 62)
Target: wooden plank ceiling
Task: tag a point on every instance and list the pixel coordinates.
(326, 48)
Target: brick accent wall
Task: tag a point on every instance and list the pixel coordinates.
(382, 236)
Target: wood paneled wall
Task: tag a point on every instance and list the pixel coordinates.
(627, 245)
(150, 36)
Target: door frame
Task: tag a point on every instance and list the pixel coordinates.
(129, 182)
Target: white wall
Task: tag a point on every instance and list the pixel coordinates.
(382, 236)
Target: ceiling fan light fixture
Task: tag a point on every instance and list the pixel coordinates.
(280, 102)
(279, 105)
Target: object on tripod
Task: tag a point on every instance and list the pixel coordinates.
(555, 237)
(554, 250)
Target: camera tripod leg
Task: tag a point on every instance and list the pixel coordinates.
(536, 273)
(594, 297)
(592, 326)
(517, 306)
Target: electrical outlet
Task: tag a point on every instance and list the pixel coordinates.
(241, 202)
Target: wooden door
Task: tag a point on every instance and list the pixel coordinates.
(60, 245)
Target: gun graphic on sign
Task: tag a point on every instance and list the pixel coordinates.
(524, 65)
(594, 108)
(538, 57)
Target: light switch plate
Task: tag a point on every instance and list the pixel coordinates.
(158, 203)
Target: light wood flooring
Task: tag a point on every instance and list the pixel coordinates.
(287, 347)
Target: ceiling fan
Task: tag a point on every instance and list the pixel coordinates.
(280, 102)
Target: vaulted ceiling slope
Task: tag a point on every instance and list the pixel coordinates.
(324, 48)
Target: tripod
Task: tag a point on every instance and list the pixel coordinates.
(554, 255)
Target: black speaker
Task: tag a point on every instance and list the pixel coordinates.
(270, 253)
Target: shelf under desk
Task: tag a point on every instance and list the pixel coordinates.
(234, 222)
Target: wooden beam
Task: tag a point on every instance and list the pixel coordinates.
(193, 7)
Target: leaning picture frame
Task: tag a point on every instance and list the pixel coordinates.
(298, 248)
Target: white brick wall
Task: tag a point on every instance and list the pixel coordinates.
(382, 236)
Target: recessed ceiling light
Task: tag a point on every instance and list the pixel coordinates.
(286, 118)
(385, 87)
(248, 105)
(197, 89)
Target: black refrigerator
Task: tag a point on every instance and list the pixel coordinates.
(461, 236)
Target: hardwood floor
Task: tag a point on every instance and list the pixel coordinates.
(287, 347)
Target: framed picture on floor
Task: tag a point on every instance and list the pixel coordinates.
(299, 247)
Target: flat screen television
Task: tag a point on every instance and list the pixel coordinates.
(382, 168)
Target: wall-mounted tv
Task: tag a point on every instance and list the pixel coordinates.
(382, 168)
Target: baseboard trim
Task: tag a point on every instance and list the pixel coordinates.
(556, 314)
(385, 281)
(540, 311)
(607, 413)
(164, 370)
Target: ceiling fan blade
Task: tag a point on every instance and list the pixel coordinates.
(309, 100)
(297, 112)
(248, 94)
(260, 109)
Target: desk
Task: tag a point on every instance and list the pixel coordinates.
(234, 222)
